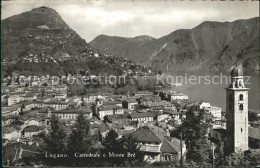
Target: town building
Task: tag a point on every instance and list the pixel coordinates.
(157, 145)
(10, 132)
(142, 93)
(13, 99)
(55, 104)
(117, 118)
(31, 130)
(157, 105)
(7, 120)
(104, 110)
(216, 112)
(218, 133)
(204, 105)
(144, 117)
(178, 96)
(173, 114)
(129, 104)
(70, 114)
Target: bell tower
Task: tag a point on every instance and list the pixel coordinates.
(237, 113)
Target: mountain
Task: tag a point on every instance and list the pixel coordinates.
(40, 42)
(121, 45)
(39, 31)
(211, 46)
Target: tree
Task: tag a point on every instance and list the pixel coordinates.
(246, 159)
(112, 145)
(130, 145)
(194, 129)
(80, 141)
(55, 142)
(220, 151)
(77, 89)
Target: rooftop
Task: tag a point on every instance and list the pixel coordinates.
(117, 116)
(31, 128)
(144, 134)
(9, 129)
(109, 107)
(171, 112)
(141, 115)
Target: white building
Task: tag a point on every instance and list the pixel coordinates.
(204, 105)
(104, 110)
(129, 104)
(215, 112)
(13, 99)
(178, 96)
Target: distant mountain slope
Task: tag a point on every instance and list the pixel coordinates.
(39, 31)
(40, 42)
(208, 46)
(120, 45)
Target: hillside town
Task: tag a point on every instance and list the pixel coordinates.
(150, 117)
(130, 84)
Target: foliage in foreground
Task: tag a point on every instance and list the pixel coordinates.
(78, 139)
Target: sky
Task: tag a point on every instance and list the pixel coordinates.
(133, 18)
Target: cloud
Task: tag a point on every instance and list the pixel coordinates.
(133, 18)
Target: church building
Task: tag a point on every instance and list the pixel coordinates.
(237, 113)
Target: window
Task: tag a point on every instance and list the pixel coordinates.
(240, 83)
(241, 107)
(241, 97)
(230, 106)
(241, 130)
(230, 98)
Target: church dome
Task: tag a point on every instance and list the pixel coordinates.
(237, 71)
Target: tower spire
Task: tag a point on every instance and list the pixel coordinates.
(237, 112)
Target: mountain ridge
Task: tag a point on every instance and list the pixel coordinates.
(209, 46)
(39, 42)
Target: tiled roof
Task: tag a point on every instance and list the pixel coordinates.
(141, 115)
(69, 110)
(109, 107)
(117, 116)
(170, 112)
(169, 145)
(7, 130)
(55, 102)
(86, 109)
(129, 100)
(112, 102)
(31, 128)
(144, 134)
(9, 117)
(142, 92)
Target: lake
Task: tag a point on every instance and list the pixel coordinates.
(215, 93)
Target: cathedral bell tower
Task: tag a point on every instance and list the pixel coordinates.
(237, 113)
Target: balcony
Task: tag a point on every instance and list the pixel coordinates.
(150, 148)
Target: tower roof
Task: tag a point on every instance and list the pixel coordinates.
(237, 71)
